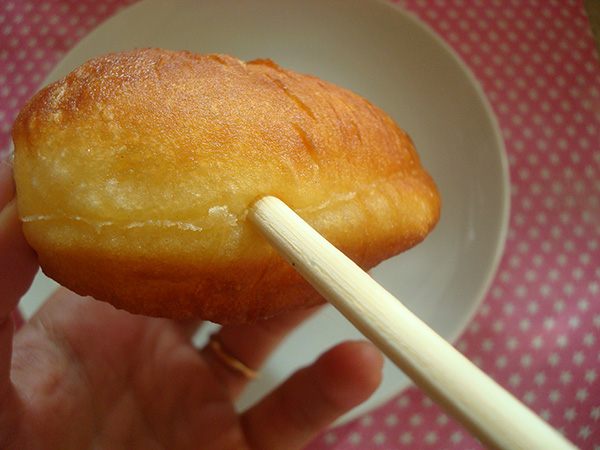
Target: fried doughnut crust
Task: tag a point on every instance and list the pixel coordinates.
(135, 172)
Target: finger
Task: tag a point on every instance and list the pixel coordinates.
(18, 262)
(314, 397)
(7, 328)
(7, 188)
(188, 327)
(18, 265)
(250, 344)
(18, 319)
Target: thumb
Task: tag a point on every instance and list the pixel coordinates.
(18, 262)
(18, 266)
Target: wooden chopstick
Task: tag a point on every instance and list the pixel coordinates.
(482, 406)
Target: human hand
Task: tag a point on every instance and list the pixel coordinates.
(82, 374)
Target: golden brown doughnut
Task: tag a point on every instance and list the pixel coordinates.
(134, 174)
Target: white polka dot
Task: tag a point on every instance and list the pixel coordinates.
(554, 396)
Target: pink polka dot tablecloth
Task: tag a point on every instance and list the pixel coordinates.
(538, 330)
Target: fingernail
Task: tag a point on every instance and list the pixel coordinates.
(7, 187)
(9, 160)
(6, 167)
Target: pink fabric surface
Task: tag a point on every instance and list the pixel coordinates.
(538, 330)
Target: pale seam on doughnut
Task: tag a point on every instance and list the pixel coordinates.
(221, 210)
(100, 224)
(346, 197)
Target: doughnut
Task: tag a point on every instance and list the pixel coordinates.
(135, 172)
